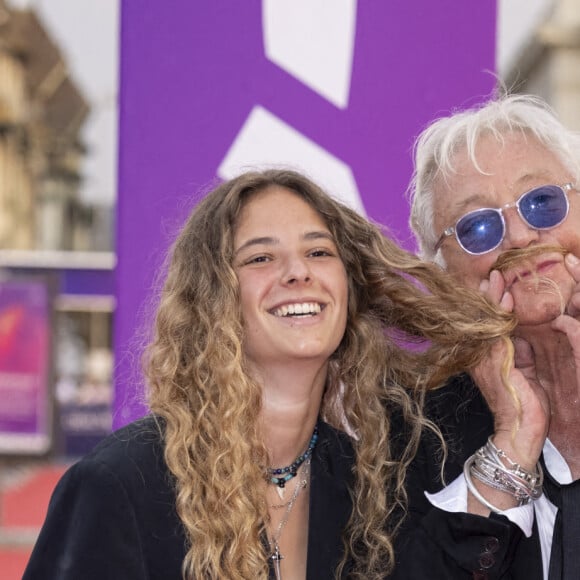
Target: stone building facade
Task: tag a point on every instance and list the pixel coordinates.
(548, 63)
(42, 112)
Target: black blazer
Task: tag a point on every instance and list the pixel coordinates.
(112, 515)
(438, 545)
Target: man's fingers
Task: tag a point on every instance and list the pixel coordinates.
(573, 266)
(571, 328)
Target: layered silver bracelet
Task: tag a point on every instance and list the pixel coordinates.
(487, 465)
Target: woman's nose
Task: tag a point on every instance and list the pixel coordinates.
(296, 270)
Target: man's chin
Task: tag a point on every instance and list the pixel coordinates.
(543, 298)
(538, 309)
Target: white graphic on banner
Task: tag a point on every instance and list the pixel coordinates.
(267, 141)
(313, 40)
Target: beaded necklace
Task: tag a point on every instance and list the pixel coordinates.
(281, 475)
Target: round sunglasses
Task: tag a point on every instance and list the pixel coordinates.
(483, 230)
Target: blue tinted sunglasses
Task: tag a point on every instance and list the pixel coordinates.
(483, 230)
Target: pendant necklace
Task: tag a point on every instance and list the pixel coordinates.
(284, 504)
(280, 476)
(276, 556)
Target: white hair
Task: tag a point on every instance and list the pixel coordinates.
(437, 146)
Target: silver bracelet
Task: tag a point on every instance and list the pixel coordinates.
(492, 475)
(487, 466)
(490, 479)
(503, 480)
(532, 480)
(471, 486)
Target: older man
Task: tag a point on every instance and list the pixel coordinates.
(495, 201)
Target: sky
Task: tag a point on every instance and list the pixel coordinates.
(87, 32)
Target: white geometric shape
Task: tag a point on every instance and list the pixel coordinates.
(265, 141)
(313, 40)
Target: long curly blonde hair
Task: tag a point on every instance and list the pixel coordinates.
(210, 405)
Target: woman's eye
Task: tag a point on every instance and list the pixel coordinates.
(321, 253)
(257, 260)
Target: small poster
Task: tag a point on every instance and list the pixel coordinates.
(25, 401)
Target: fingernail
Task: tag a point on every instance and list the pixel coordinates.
(572, 260)
(484, 285)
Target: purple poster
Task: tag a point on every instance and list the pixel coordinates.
(335, 88)
(24, 366)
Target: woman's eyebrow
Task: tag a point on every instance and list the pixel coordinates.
(318, 234)
(269, 240)
(260, 241)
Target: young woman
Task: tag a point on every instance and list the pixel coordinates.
(273, 371)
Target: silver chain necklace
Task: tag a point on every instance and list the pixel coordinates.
(276, 556)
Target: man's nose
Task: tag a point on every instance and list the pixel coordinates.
(519, 234)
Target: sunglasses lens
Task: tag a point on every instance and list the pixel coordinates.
(480, 231)
(544, 207)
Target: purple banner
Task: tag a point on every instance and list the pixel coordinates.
(338, 89)
(24, 366)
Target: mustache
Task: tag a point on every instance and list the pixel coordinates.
(524, 256)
